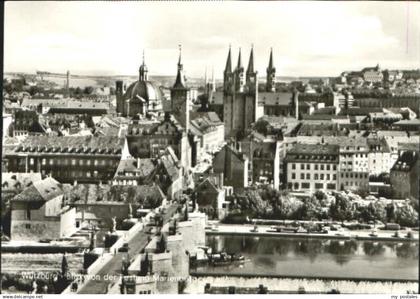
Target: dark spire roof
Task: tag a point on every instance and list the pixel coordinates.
(270, 62)
(239, 60)
(143, 70)
(180, 80)
(251, 61)
(228, 68)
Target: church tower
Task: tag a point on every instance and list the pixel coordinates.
(180, 97)
(143, 71)
(228, 75)
(239, 75)
(271, 75)
(251, 75)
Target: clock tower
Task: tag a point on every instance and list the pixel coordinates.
(180, 97)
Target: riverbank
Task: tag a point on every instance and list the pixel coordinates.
(291, 285)
(194, 273)
(267, 231)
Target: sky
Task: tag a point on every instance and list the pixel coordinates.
(308, 38)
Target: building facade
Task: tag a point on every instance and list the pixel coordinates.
(312, 167)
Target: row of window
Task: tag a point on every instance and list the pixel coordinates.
(297, 186)
(74, 162)
(316, 166)
(355, 175)
(316, 176)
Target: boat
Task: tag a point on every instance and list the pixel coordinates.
(221, 258)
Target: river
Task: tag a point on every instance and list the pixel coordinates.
(308, 257)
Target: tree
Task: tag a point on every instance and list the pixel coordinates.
(341, 209)
(407, 216)
(88, 90)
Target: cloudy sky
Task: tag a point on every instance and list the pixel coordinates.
(308, 38)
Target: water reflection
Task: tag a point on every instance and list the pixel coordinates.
(373, 248)
(408, 251)
(319, 257)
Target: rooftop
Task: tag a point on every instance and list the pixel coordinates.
(406, 161)
(71, 144)
(42, 190)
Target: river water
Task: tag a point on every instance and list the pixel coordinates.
(308, 257)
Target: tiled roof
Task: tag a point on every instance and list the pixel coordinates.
(275, 98)
(142, 170)
(42, 190)
(92, 193)
(406, 161)
(320, 153)
(10, 180)
(72, 144)
(204, 122)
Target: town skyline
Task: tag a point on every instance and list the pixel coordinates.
(317, 42)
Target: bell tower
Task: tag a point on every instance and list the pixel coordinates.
(251, 75)
(180, 97)
(271, 75)
(239, 75)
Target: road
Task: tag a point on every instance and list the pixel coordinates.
(113, 267)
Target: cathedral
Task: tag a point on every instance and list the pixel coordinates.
(241, 100)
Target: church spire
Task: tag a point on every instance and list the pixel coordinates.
(228, 68)
(239, 60)
(143, 70)
(271, 74)
(270, 62)
(251, 61)
(180, 80)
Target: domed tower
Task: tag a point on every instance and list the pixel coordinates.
(271, 75)
(141, 97)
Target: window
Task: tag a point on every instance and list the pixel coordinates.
(322, 176)
(305, 186)
(88, 174)
(302, 176)
(335, 176)
(302, 166)
(28, 214)
(331, 186)
(31, 161)
(73, 162)
(316, 167)
(293, 176)
(27, 226)
(308, 176)
(88, 162)
(81, 162)
(44, 161)
(308, 166)
(51, 161)
(334, 167)
(328, 176)
(293, 166)
(322, 166)
(319, 186)
(328, 167)
(315, 176)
